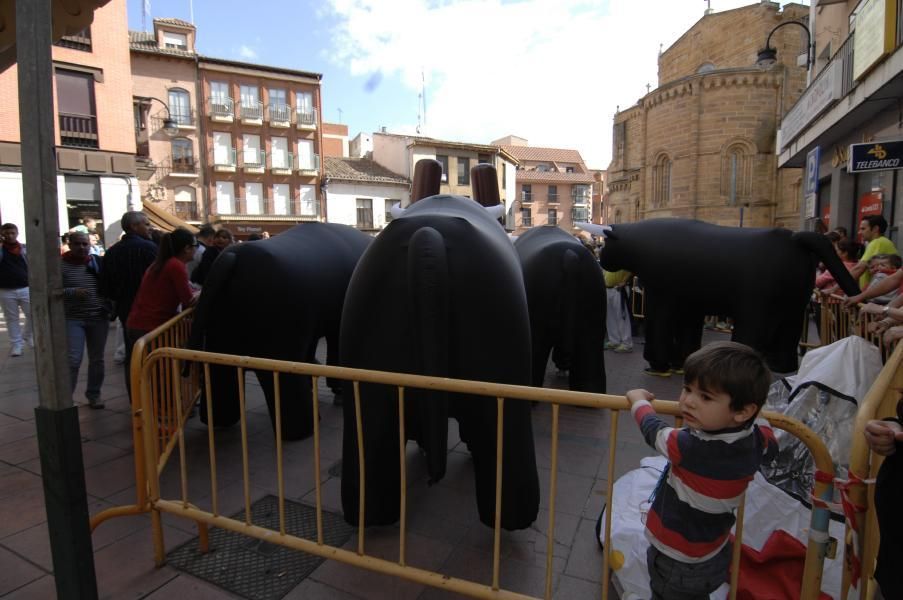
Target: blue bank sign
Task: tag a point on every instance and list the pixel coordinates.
(876, 156)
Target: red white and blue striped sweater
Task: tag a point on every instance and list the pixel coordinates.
(693, 506)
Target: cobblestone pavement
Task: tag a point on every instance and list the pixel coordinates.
(443, 531)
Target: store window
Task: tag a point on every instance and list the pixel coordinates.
(875, 196)
(83, 202)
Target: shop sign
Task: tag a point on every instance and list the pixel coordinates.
(876, 156)
(820, 95)
(875, 27)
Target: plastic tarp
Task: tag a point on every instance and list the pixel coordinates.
(824, 395)
(768, 509)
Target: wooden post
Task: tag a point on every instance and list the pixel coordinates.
(56, 419)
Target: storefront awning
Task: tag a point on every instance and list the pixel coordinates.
(164, 221)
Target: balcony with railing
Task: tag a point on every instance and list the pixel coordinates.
(279, 115)
(306, 118)
(187, 211)
(252, 112)
(580, 214)
(184, 120)
(526, 219)
(78, 131)
(581, 196)
(526, 197)
(553, 199)
(281, 163)
(309, 167)
(223, 160)
(253, 161)
(221, 109)
(186, 168)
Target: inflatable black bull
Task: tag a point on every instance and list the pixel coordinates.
(566, 298)
(276, 298)
(763, 278)
(439, 292)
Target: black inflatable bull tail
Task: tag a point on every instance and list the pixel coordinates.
(821, 248)
(213, 288)
(428, 290)
(570, 267)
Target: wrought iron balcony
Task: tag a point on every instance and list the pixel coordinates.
(306, 118)
(223, 159)
(183, 120)
(281, 163)
(252, 112)
(310, 167)
(221, 109)
(253, 161)
(187, 211)
(553, 199)
(179, 167)
(279, 115)
(526, 197)
(78, 130)
(526, 220)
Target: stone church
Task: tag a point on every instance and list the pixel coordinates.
(701, 145)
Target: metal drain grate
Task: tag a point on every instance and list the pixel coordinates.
(255, 569)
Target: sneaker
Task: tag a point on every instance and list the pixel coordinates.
(95, 403)
(16, 350)
(623, 348)
(677, 370)
(610, 345)
(656, 372)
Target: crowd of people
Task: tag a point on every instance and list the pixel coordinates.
(143, 280)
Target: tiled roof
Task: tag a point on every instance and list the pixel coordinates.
(144, 41)
(171, 21)
(552, 177)
(533, 153)
(361, 169)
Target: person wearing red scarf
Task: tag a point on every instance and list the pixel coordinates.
(87, 314)
(14, 288)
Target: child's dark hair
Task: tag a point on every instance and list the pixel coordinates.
(731, 368)
(171, 244)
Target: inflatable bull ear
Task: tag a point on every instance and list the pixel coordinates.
(600, 230)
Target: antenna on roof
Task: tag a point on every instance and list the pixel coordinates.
(421, 104)
(191, 11)
(145, 13)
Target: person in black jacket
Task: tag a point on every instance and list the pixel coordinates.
(124, 266)
(221, 240)
(14, 288)
(886, 438)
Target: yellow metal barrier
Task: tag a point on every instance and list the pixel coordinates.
(166, 362)
(172, 334)
(880, 402)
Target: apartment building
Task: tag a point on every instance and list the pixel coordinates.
(262, 140)
(361, 192)
(165, 100)
(701, 144)
(553, 186)
(846, 129)
(95, 146)
(399, 153)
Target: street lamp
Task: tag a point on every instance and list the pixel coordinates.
(768, 55)
(170, 125)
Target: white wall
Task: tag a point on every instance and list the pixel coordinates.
(117, 195)
(341, 205)
(12, 207)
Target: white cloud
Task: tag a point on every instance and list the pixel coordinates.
(246, 51)
(552, 71)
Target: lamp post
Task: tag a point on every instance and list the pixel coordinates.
(170, 125)
(768, 55)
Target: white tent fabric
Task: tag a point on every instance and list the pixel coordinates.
(767, 510)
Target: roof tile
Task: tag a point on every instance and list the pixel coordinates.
(361, 169)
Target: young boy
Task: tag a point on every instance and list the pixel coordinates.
(711, 461)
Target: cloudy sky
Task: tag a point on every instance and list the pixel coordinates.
(551, 71)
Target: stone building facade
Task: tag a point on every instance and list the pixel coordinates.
(701, 145)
